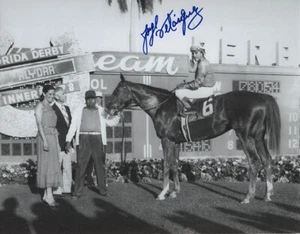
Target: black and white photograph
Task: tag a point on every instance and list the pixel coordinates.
(149, 116)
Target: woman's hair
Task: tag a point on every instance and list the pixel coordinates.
(46, 88)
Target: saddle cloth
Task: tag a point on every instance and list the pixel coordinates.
(204, 108)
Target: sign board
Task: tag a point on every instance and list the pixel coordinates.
(32, 73)
(32, 55)
(71, 87)
(25, 95)
(22, 95)
(139, 63)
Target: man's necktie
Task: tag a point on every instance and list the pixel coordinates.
(65, 114)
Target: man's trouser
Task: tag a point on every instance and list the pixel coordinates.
(201, 92)
(90, 146)
(65, 160)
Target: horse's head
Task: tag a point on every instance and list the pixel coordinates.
(121, 97)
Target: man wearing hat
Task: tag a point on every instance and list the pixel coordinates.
(90, 168)
(89, 123)
(99, 97)
(203, 85)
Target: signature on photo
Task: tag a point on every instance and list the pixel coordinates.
(190, 20)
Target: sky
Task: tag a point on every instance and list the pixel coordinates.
(100, 27)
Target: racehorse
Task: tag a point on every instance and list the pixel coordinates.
(251, 115)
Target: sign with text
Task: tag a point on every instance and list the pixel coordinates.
(18, 96)
(71, 87)
(26, 95)
(126, 62)
(30, 74)
(33, 55)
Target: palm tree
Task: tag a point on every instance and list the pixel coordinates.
(144, 5)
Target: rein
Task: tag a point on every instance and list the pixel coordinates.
(159, 104)
(152, 107)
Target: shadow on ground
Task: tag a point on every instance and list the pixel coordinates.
(265, 221)
(66, 219)
(198, 224)
(10, 222)
(131, 208)
(218, 191)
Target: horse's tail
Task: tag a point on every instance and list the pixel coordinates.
(273, 123)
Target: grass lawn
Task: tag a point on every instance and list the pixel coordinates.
(204, 207)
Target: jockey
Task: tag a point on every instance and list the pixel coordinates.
(202, 86)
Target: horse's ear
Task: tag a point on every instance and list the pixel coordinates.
(122, 77)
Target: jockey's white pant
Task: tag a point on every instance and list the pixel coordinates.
(201, 92)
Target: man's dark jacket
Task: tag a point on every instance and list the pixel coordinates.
(61, 125)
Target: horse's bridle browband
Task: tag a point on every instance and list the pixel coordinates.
(152, 107)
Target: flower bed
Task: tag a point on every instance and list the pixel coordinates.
(285, 169)
(24, 173)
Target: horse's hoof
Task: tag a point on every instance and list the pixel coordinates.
(172, 195)
(267, 199)
(245, 201)
(160, 198)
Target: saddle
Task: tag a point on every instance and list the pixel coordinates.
(202, 108)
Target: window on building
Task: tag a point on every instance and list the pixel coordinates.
(119, 136)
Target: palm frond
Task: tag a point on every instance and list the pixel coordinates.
(144, 5)
(123, 6)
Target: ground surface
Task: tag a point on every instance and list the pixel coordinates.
(132, 208)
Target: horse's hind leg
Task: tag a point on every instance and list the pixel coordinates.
(267, 163)
(176, 190)
(253, 159)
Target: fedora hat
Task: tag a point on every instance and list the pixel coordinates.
(90, 94)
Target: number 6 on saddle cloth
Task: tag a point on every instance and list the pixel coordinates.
(204, 108)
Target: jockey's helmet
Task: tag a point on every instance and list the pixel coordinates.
(198, 48)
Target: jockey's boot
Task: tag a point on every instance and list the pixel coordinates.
(187, 107)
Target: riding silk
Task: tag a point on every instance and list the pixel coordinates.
(203, 112)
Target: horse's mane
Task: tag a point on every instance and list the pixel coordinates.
(157, 90)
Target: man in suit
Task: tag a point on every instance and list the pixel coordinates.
(63, 124)
(89, 122)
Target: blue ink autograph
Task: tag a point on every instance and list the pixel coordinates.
(170, 25)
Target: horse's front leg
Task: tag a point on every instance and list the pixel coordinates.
(166, 184)
(173, 194)
(167, 150)
(176, 190)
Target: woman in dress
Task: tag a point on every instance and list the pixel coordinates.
(48, 168)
